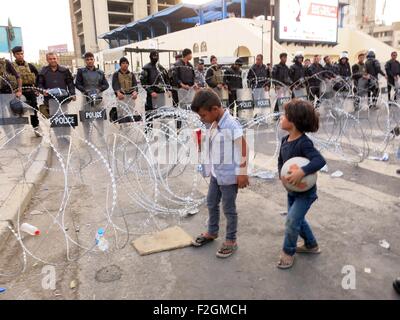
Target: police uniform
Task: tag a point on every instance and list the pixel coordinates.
(91, 79)
(8, 77)
(29, 74)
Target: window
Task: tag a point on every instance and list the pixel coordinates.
(203, 47)
(195, 48)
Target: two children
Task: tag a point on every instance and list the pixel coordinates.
(229, 176)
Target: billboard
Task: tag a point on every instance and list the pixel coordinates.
(4, 42)
(307, 21)
(61, 48)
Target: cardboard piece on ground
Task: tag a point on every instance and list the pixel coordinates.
(168, 239)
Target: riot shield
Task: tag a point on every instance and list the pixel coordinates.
(223, 95)
(186, 98)
(300, 93)
(262, 101)
(162, 100)
(92, 115)
(283, 95)
(61, 121)
(245, 105)
(11, 123)
(326, 89)
(126, 111)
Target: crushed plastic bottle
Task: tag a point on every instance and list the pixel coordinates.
(265, 175)
(384, 244)
(337, 174)
(101, 242)
(32, 230)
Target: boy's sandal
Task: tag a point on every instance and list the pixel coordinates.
(202, 239)
(285, 262)
(226, 250)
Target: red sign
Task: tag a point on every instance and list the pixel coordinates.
(322, 10)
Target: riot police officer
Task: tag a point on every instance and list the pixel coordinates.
(373, 69)
(90, 79)
(28, 74)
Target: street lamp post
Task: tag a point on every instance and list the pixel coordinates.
(272, 15)
(262, 39)
(262, 36)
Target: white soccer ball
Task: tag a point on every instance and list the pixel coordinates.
(292, 165)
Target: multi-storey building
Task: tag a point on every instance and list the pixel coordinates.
(91, 18)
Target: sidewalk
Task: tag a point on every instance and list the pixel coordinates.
(22, 166)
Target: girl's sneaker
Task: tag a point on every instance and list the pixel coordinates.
(304, 249)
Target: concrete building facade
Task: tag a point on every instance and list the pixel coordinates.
(65, 59)
(90, 18)
(361, 15)
(388, 34)
(243, 40)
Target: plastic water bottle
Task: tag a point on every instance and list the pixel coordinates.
(32, 230)
(101, 242)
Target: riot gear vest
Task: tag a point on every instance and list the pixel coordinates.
(6, 79)
(125, 81)
(27, 76)
(362, 69)
(91, 79)
(217, 76)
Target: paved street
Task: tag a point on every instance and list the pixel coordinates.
(352, 215)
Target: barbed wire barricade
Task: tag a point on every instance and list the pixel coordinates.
(131, 171)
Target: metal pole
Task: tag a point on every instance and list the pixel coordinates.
(262, 39)
(243, 8)
(224, 10)
(131, 60)
(272, 15)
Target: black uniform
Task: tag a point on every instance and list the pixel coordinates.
(373, 68)
(314, 73)
(258, 76)
(30, 95)
(344, 71)
(331, 71)
(392, 68)
(297, 72)
(280, 73)
(154, 78)
(233, 79)
(87, 79)
(183, 73)
(61, 78)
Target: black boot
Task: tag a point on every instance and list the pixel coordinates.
(396, 285)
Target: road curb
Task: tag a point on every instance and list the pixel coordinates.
(22, 193)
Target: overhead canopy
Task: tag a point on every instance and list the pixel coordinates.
(183, 16)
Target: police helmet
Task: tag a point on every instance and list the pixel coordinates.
(59, 94)
(371, 54)
(17, 107)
